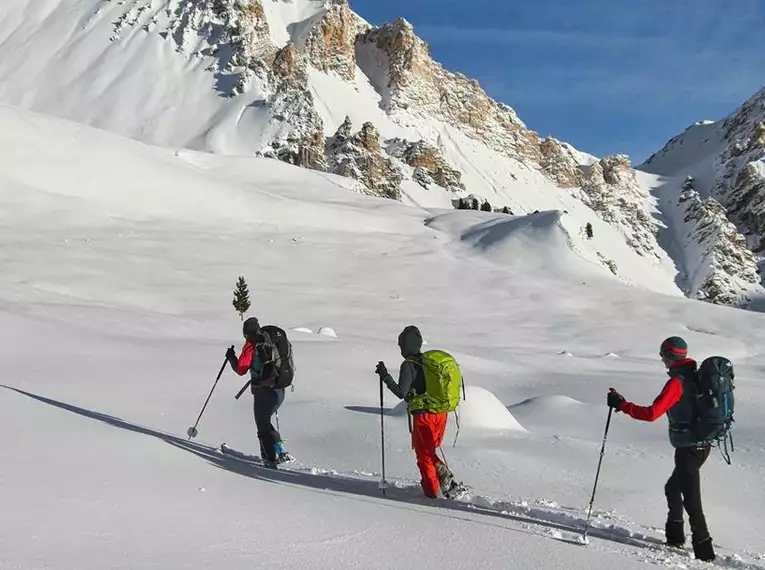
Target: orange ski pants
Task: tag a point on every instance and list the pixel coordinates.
(427, 434)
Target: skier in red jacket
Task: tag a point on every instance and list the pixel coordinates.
(683, 489)
(266, 397)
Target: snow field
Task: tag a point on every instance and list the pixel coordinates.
(115, 313)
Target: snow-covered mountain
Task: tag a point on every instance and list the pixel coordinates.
(311, 83)
(277, 78)
(715, 174)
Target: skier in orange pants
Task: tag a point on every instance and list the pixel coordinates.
(427, 435)
(429, 428)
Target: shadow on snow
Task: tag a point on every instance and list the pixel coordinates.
(407, 498)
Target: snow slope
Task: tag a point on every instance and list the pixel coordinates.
(219, 77)
(118, 264)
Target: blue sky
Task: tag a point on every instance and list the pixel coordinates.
(606, 76)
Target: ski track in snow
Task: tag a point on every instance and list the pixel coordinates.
(548, 519)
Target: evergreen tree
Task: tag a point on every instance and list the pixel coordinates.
(241, 297)
(475, 203)
(507, 210)
(486, 207)
(588, 230)
(461, 205)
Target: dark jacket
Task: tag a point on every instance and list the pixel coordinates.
(411, 375)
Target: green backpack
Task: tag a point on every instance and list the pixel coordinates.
(443, 384)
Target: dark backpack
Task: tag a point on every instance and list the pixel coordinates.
(278, 369)
(714, 399)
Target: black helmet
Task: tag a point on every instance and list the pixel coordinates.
(250, 327)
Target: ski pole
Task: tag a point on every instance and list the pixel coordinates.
(192, 431)
(597, 476)
(383, 482)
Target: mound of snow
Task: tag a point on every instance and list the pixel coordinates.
(556, 242)
(303, 330)
(552, 403)
(481, 409)
(327, 331)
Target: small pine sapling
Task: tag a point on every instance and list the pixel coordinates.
(241, 297)
(588, 230)
(486, 207)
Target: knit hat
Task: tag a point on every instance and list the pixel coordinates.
(674, 348)
(250, 327)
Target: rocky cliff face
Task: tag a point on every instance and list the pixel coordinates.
(725, 270)
(740, 183)
(331, 43)
(611, 189)
(401, 67)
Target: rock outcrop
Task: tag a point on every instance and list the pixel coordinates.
(400, 66)
(611, 189)
(430, 165)
(331, 42)
(740, 184)
(725, 270)
(360, 156)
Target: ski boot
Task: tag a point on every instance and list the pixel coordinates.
(269, 463)
(675, 535)
(450, 488)
(704, 550)
(281, 455)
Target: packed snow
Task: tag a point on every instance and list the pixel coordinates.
(119, 262)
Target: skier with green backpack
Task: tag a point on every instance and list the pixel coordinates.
(430, 383)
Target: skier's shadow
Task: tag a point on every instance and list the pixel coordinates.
(408, 498)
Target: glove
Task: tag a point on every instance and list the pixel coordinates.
(381, 370)
(231, 356)
(615, 400)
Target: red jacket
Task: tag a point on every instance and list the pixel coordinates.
(670, 395)
(245, 359)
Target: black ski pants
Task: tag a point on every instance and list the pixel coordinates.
(266, 403)
(683, 490)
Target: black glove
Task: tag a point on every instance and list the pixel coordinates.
(232, 357)
(381, 370)
(615, 400)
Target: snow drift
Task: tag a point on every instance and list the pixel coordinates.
(480, 410)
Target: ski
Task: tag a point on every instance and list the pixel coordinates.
(226, 450)
(283, 459)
